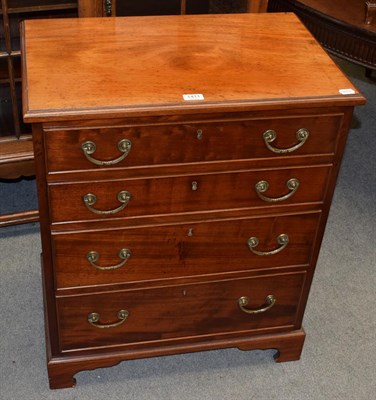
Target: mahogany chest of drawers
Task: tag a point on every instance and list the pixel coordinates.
(185, 170)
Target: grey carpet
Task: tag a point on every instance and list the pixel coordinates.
(338, 357)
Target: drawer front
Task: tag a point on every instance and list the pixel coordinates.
(68, 150)
(162, 252)
(183, 194)
(171, 312)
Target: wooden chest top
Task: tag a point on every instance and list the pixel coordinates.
(111, 67)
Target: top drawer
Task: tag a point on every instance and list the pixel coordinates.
(122, 147)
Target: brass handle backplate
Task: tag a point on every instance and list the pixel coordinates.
(90, 199)
(253, 242)
(89, 148)
(262, 186)
(93, 257)
(270, 300)
(94, 317)
(269, 136)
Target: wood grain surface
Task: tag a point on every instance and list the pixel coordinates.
(146, 64)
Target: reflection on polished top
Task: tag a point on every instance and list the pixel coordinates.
(117, 66)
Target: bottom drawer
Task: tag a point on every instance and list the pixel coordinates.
(171, 312)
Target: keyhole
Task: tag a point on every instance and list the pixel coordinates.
(199, 134)
(194, 185)
(190, 232)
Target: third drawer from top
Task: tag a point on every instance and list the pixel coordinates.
(163, 252)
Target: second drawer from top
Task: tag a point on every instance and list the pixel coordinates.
(128, 198)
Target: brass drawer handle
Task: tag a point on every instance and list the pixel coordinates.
(262, 186)
(270, 135)
(93, 257)
(89, 148)
(90, 199)
(94, 317)
(270, 300)
(282, 240)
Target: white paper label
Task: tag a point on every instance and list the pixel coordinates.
(196, 96)
(347, 91)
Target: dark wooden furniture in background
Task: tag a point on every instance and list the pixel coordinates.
(181, 209)
(370, 11)
(152, 7)
(16, 153)
(345, 28)
(257, 6)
